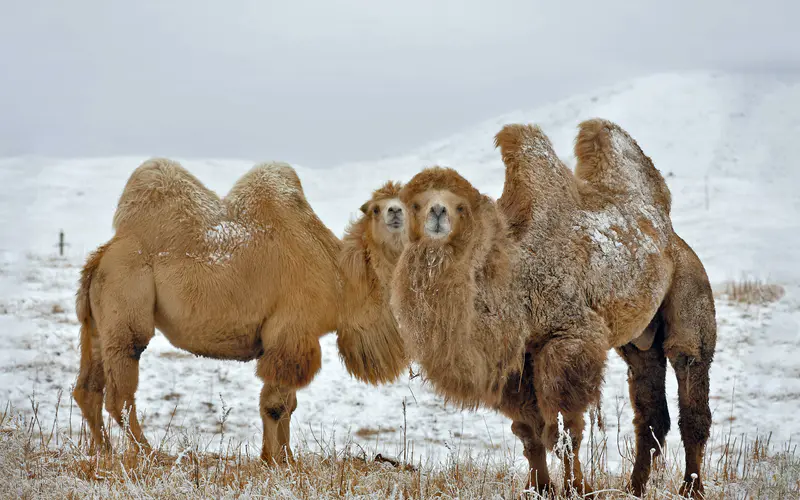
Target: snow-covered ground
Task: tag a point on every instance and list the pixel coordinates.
(727, 145)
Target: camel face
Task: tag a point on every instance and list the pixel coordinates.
(387, 220)
(439, 215)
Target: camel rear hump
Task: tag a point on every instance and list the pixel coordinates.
(609, 159)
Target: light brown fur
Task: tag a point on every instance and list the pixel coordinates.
(369, 344)
(253, 276)
(514, 304)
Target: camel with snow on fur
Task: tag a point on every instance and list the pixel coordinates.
(514, 304)
(253, 276)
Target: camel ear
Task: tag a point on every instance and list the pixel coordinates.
(364, 208)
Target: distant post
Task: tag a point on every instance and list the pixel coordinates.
(61, 243)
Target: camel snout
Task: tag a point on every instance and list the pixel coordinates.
(437, 224)
(394, 217)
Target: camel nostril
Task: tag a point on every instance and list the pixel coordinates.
(438, 210)
(395, 210)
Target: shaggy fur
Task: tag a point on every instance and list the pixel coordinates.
(369, 344)
(253, 276)
(514, 305)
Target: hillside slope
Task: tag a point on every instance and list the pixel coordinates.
(727, 145)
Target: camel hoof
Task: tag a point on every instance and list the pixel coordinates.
(692, 488)
(284, 457)
(544, 490)
(636, 489)
(581, 489)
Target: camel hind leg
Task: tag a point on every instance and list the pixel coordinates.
(647, 372)
(88, 392)
(124, 300)
(689, 343)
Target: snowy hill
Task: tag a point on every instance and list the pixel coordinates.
(727, 145)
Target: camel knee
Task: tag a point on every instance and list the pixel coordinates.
(277, 403)
(290, 360)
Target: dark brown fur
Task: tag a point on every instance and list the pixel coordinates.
(593, 264)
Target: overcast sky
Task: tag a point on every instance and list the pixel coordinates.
(319, 83)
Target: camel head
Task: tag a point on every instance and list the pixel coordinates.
(387, 216)
(444, 208)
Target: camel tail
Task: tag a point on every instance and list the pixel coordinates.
(610, 159)
(83, 307)
(89, 387)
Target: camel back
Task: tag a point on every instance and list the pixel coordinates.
(169, 209)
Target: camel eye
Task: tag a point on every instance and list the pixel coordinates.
(415, 206)
(376, 210)
(460, 209)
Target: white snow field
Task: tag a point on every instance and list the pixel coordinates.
(727, 145)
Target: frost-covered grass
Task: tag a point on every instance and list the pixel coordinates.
(39, 460)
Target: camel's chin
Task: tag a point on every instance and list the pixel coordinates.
(437, 234)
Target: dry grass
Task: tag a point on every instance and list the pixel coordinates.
(366, 432)
(751, 291)
(41, 462)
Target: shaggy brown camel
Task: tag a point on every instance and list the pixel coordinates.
(253, 276)
(514, 305)
(369, 344)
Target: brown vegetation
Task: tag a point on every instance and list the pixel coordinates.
(39, 463)
(514, 304)
(752, 291)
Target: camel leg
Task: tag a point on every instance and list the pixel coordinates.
(568, 374)
(694, 417)
(121, 363)
(535, 452)
(88, 392)
(284, 431)
(573, 470)
(124, 307)
(276, 405)
(689, 341)
(646, 377)
(291, 348)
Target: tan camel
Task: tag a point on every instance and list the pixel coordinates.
(369, 344)
(514, 305)
(253, 276)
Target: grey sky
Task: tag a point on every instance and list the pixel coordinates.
(318, 83)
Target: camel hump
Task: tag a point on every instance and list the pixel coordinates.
(160, 186)
(535, 175)
(611, 160)
(526, 146)
(272, 180)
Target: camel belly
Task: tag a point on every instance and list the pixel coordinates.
(628, 317)
(208, 325)
(209, 311)
(211, 339)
